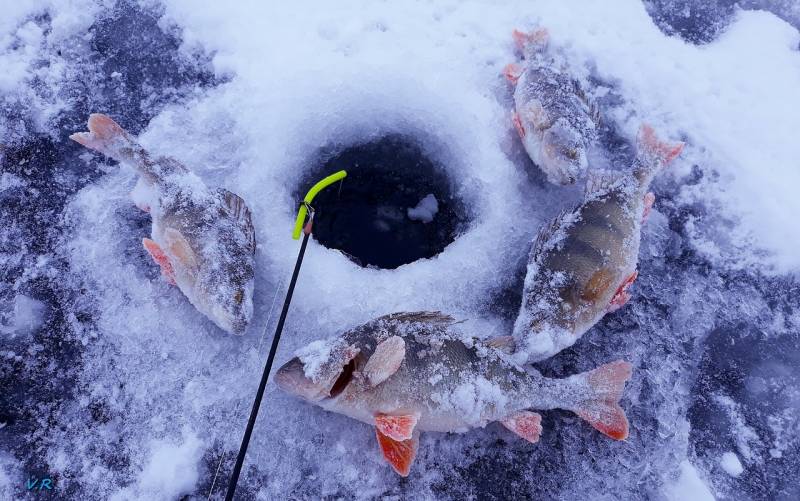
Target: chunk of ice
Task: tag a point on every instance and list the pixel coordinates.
(425, 210)
(24, 317)
(731, 464)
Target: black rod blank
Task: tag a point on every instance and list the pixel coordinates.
(237, 468)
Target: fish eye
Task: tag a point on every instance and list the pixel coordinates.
(571, 153)
(344, 379)
(238, 297)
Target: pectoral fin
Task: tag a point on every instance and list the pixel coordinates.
(622, 296)
(526, 424)
(179, 247)
(512, 72)
(385, 361)
(397, 427)
(506, 344)
(399, 453)
(160, 258)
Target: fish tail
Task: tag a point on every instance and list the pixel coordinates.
(652, 154)
(601, 409)
(534, 41)
(109, 138)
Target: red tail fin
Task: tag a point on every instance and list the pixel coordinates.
(537, 39)
(651, 145)
(601, 409)
(105, 135)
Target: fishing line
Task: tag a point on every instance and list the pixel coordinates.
(238, 404)
(304, 226)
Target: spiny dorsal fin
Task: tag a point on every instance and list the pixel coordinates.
(505, 344)
(427, 317)
(601, 181)
(545, 234)
(239, 211)
(592, 108)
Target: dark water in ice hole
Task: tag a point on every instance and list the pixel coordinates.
(366, 216)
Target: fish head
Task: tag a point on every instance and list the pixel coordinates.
(230, 306)
(344, 374)
(563, 153)
(292, 379)
(322, 370)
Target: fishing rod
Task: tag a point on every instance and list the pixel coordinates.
(300, 225)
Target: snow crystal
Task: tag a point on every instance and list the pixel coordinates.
(472, 398)
(425, 210)
(316, 354)
(731, 464)
(9, 181)
(746, 436)
(170, 471)
(689, 486)
(24, 316)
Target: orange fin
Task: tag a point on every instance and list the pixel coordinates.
(621, 296)
(518, 124)
(526, 424)
(537, 38)
(385, 361)
(160, 258)
(512, 72)
(397, 427)
(399, 453)
(649, 200)
(602, 409)
(656, 148)
(105, 135)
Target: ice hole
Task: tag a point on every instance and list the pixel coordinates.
(397, 204)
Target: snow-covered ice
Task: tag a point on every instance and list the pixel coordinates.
(688, 486)
(139, 396)
(731, 464)
(23, 316)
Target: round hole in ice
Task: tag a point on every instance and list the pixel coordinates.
(395, 206)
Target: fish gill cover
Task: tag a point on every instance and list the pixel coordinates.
(114, 386)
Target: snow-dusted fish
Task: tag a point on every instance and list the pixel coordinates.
(203, 239)
(555, 119)
(581, 266)
(410, 372)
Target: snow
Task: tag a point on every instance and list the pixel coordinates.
(316, 354)
(9, 181)
(170, 472)
(689, 486)
(471, 398)
(160, 396)
(425, 210)
(24, 316)
(731, 464)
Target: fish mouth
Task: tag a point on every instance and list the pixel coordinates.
(292, 379)
(561, 169)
